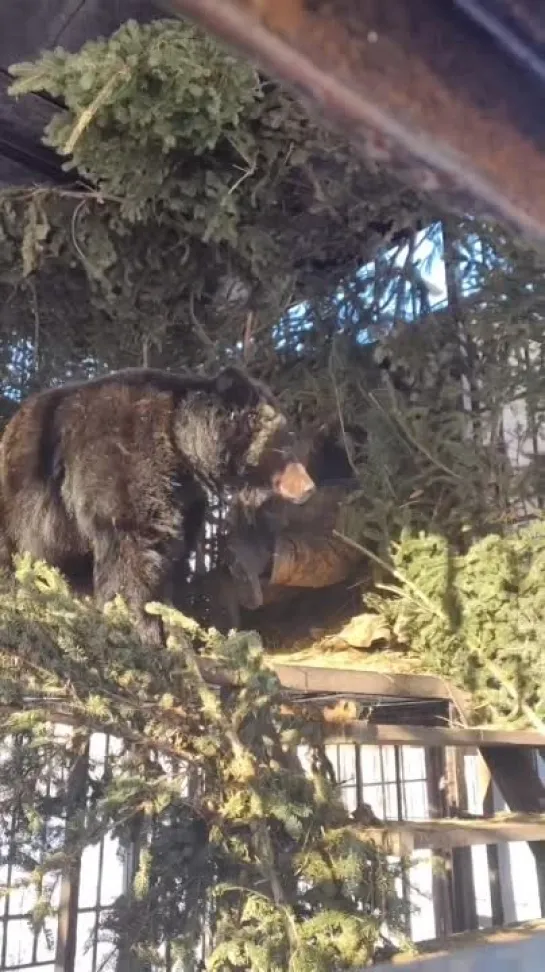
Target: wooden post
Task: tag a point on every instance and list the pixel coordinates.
(464, 905)
(441, 874)
(492, 850)
(515, 773)
(126, 961)
(65, 956)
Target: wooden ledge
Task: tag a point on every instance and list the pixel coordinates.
(402, 839)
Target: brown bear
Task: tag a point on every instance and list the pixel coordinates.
(109, 478)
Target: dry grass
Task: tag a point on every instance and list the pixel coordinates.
(319, 655)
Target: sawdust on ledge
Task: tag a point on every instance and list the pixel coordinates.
(311, 633)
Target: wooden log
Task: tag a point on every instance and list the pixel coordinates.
(306, 561)
(278, 545)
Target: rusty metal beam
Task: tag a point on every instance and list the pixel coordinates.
(448, 96)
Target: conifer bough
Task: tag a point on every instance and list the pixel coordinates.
(229, 824)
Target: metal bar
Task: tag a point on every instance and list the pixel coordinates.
(5, 915)
(400, 803)
(35, 159)
(424, 88)
(30, 966)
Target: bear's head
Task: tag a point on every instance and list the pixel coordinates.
(262, 447)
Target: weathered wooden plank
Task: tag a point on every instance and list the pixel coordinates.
(307, 679)
(470, 132)
(298, 680)
(408, 836)
(368, 734)
(515, 773)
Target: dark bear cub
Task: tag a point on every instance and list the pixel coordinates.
(108, 478)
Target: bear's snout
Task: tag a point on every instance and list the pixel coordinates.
(294, 483)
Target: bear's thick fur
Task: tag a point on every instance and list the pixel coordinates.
(108, 478)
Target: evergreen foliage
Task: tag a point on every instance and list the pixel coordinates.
(215, 197)
(455, 452)
(229, 824)
(476, 618)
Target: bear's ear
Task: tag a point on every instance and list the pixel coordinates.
(235, 389)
